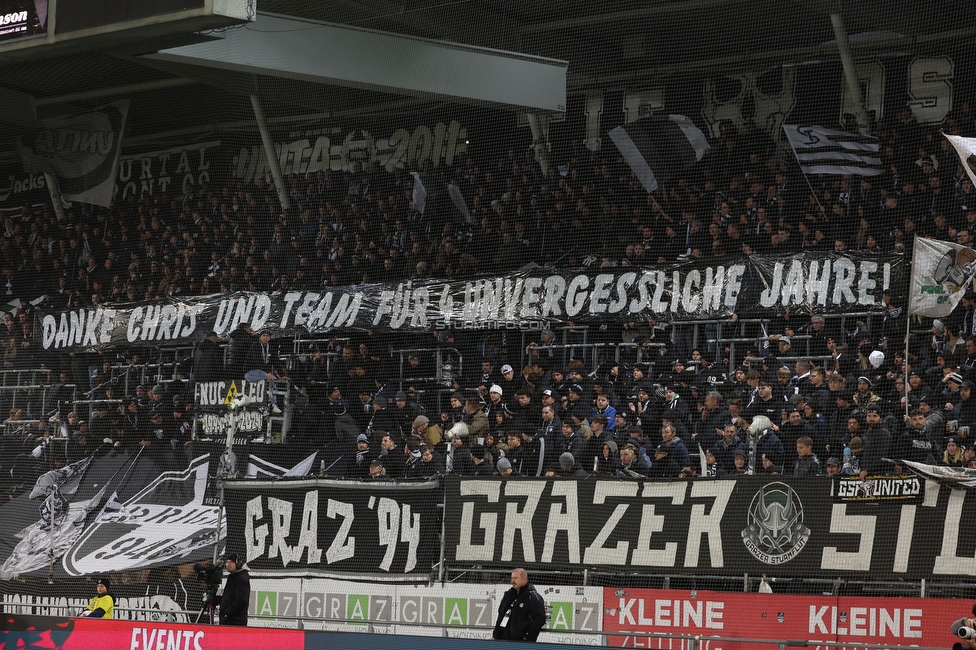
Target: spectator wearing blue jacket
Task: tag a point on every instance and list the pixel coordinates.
(603, 408)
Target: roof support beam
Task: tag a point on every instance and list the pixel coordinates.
(337, 55)
(599, 18)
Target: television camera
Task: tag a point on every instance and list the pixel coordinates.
(210, 576)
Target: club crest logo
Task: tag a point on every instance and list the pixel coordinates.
(775, 533)
(955, 267)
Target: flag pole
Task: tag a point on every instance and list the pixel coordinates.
(908, 329)
(812, 191)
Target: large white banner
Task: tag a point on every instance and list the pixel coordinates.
(81, 151)
(940, 271)
(573, 613)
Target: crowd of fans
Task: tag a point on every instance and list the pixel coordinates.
(840, 401)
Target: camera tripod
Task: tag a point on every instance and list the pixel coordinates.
(209, 608)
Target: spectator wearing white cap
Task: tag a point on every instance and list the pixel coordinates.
(494, 402)
(509, 381)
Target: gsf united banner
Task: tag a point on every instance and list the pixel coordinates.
(802, 283)
(815, 619)
(731, 527)
(334, 525)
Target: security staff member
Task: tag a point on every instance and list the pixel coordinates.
(102, 605)
(237, 592)
(522, 612)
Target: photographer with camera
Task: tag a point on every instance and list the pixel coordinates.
(965, 630)
(237, 592)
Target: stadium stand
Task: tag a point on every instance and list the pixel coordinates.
(359, 226)
(491, 341)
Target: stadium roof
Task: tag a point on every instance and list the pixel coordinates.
(607, 44)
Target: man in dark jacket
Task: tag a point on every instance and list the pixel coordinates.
(807, 463)
(241, 340)
(522, 612)
(877, 443)
(261, 356)
(237, 592)
(709, 427)
(724, 450)
(208, 359)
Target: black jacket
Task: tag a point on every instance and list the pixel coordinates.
(527, 616)
(234, 602)
(208, 361)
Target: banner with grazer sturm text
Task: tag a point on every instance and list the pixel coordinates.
(752, 525)
(334, 526)
(746, 286)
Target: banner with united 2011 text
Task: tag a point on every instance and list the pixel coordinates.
(749, 286)
(753, 525)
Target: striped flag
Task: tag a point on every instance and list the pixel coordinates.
(656, 147)
(966, 149)
(826, 151)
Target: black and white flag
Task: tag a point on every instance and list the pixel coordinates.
(430, 194)
(966, 149)
(827, 151)
(259, 467)
(954, 477)
(658, 146)
(61, 521)
(81, 151)
(170, 520)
